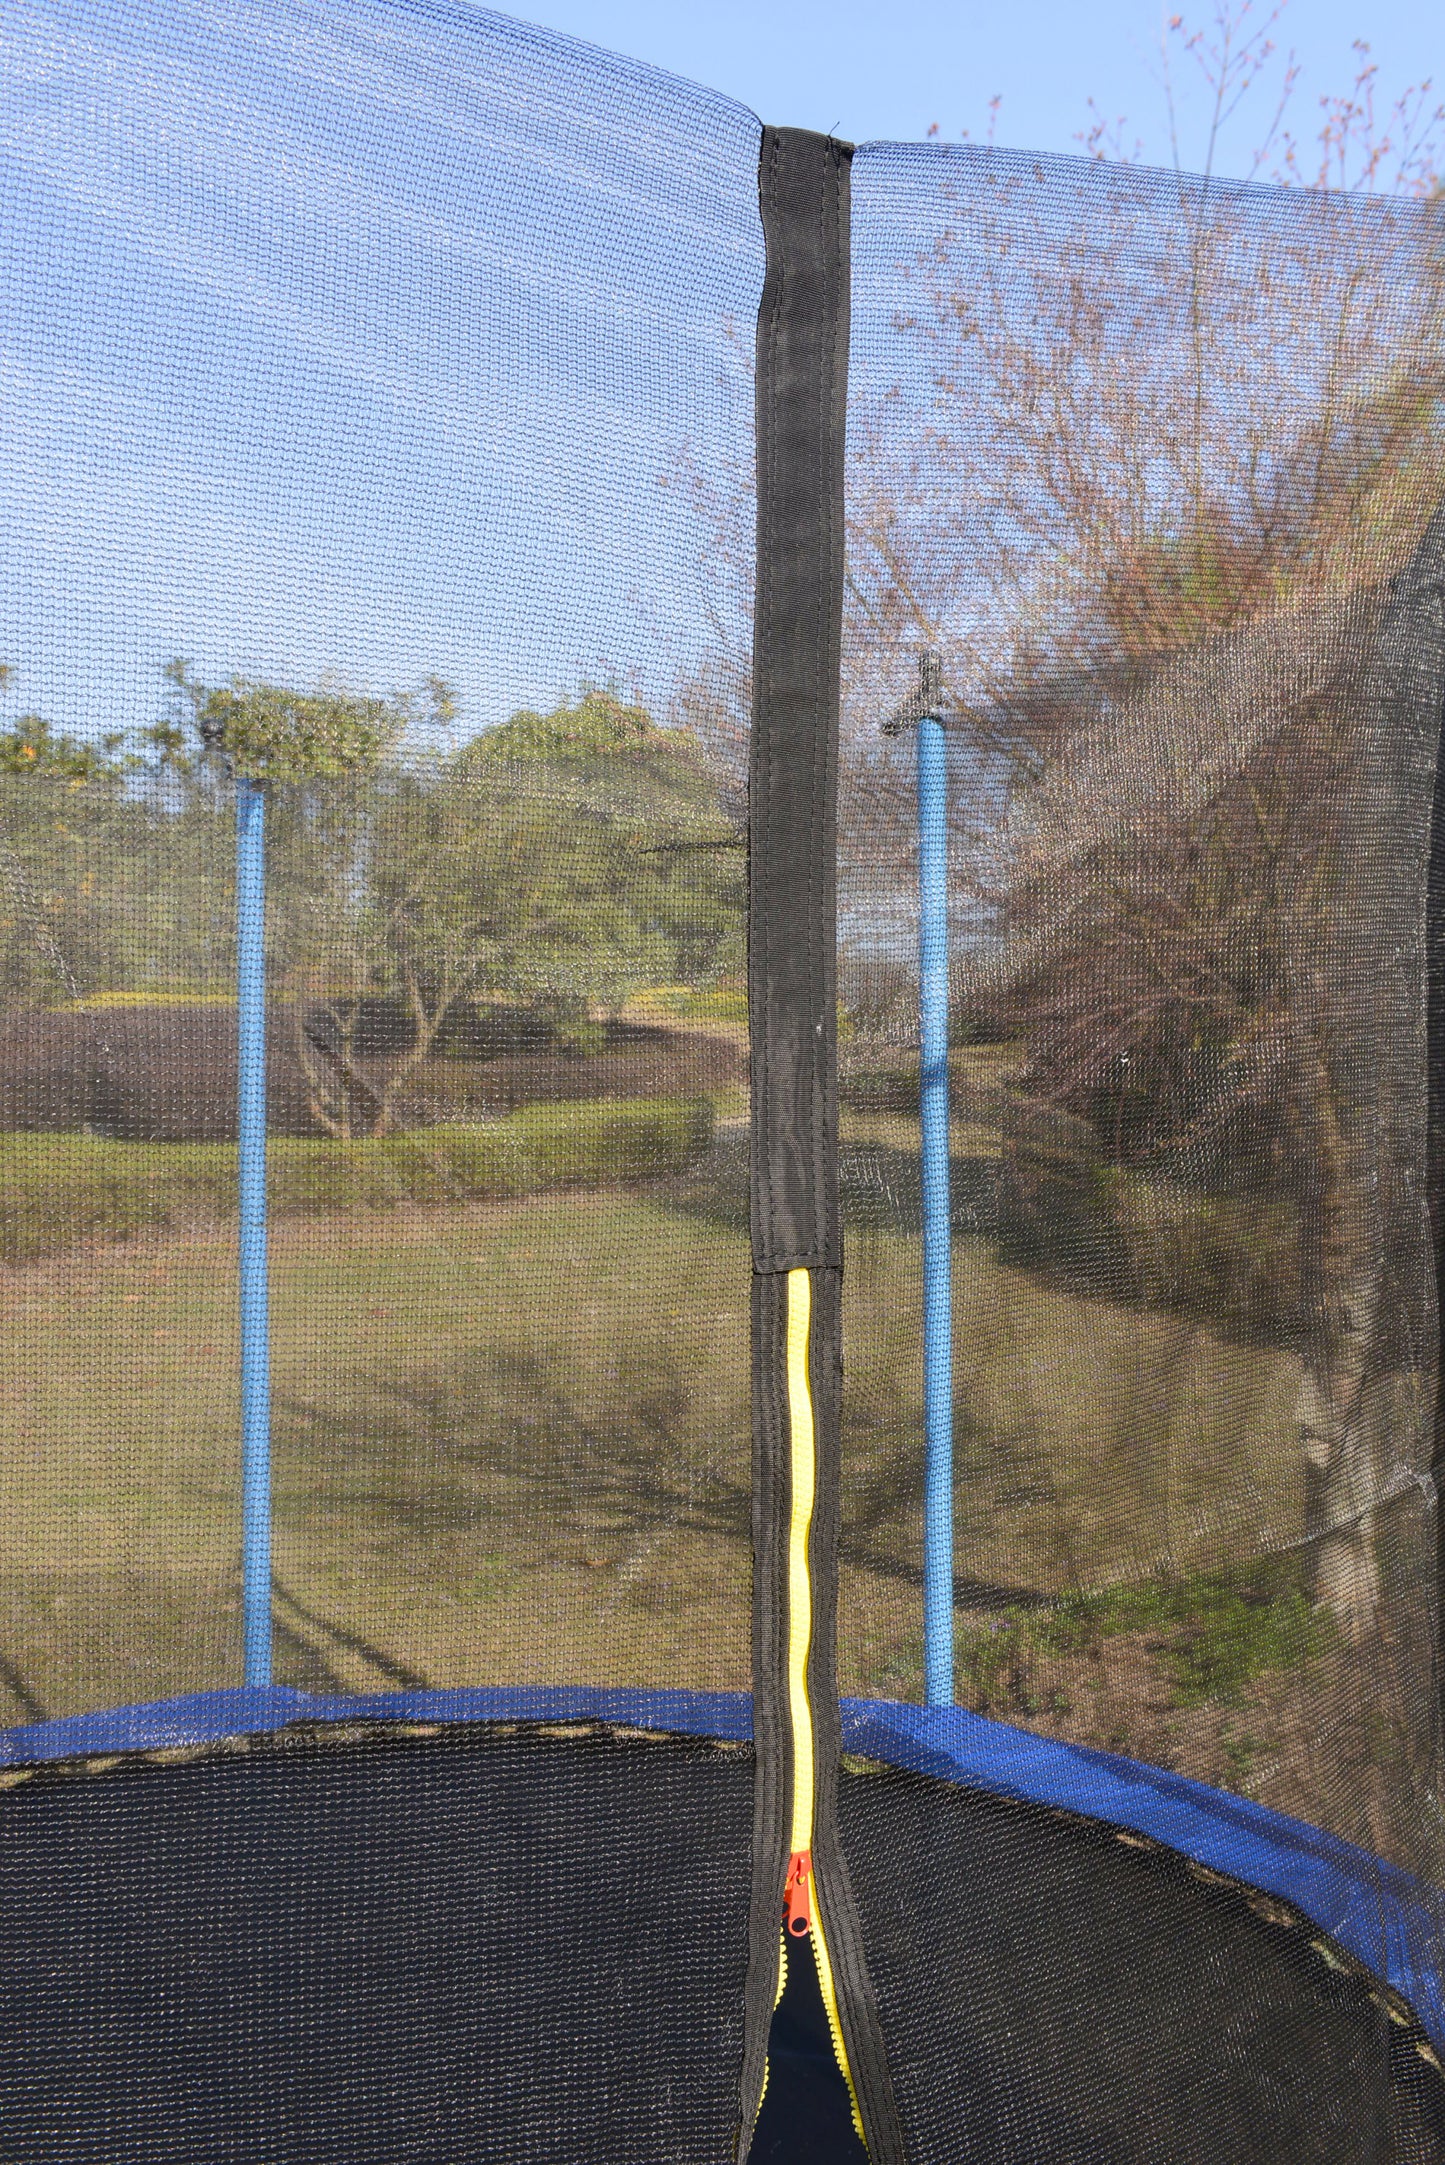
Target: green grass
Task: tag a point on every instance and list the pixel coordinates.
(512, 1442)
(512, 1436)
(182, 996)
(1215, 1633)
(1094, 1442)
(58, 1190)
(694, 1003)
(513, 1439)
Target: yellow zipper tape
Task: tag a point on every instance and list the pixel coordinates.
(830, 2008)
(803, 1455)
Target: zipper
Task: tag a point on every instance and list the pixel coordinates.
(802, 1911)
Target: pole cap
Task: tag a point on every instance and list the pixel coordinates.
(926, 705)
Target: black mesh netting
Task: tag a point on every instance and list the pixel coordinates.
(365, 363)
(1088, 1997)
(1151, 466)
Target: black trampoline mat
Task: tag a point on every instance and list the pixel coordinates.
(471, 1946)
(519, 1943)
(1052, 1990)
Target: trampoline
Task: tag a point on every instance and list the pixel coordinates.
(718, 1125)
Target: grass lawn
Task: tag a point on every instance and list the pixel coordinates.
(1092, 1442)
(512, 1443)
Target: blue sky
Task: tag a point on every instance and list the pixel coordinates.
(360, 339)
(876, 69)
(344, 342)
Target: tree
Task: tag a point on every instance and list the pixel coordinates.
(1149, 459)
(1193, 622)
(69, 821)
(560, 861)
(1214, 956)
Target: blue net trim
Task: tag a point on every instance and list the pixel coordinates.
(1374, 1911)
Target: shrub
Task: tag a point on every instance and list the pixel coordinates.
(1233, 1257)
(1213, 1633)
(164, 1070)
(59, 1190)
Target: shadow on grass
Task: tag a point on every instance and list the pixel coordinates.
(304, 1662)
(886, 1499)
(440, 1454)
(509, 1448)
(1230, 1261)
(32, 1708)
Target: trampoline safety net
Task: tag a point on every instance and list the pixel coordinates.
(720, 1111)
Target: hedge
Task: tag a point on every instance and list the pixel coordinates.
(58, 1190)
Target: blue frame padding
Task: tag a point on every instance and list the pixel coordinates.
(1386, 1919)
(208, 1717)
(1373, 1910)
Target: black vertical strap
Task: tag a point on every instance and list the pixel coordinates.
(802, 380)
(802, 355)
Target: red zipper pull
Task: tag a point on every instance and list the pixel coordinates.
(798, 1894)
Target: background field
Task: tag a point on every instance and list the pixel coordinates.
(512, 1440)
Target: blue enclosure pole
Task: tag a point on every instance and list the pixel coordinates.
(937, 1217)
(255, 1306)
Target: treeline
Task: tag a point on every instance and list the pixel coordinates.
(553, 865)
